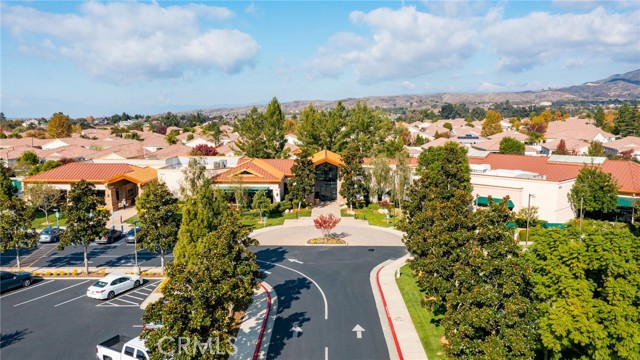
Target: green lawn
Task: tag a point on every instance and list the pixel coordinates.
(39, 221)
(132, 219)
(428, 332)
(373, 217)
(251, 218)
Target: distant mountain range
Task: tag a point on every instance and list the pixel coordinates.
(620, 86)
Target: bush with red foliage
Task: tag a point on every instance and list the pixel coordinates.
(325, 223)
(204, 150)
(160, 129)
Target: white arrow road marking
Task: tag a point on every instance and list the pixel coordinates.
(295, 261)
(296, 330)
(358, 329)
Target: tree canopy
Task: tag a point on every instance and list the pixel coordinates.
(15, 225)
(262, 134)
(59, 126)
(509, 145)
(354, 177)
(303, 181)
(595, 192)
(491, 124)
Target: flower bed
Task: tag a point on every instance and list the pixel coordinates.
(326, 241)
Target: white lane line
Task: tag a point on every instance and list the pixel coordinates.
(51, 293)
(324, 298)
(25, 289)
(137, 298)
(326, 353)
(111, 302)
(68, 301)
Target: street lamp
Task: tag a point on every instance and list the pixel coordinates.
(526, 241)
(136, 268)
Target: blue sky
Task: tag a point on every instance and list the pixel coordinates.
(100, 58)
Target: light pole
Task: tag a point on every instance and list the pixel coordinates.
(136, 268)
(581, 212)
(526, 240)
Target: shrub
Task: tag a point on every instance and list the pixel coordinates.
(374, 206)
(75, 272)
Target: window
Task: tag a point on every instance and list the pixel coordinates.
(140, 355)
(128, 351)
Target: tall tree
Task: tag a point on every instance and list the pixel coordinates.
(561, 149)
(43, 196)
(159, 219)
(303, 181)
(203, 292)
(6, 185)
(599, 116)
(595, 193)
(366, 127)
(86, 220)
(380, 176)
(354, 177)
(263, 134)
(59, 126)
(401, 178)
(586, 285)
(509, 145)
(627, 121)
(489, 313)
(15, 225)
(491, 124)
(310, 128)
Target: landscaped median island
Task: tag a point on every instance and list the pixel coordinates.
(374, 215)
(252, 217)
(423, 319)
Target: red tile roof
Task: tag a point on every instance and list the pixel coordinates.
(535, 164)
(626, 173)
(283, 165)
(251, 171)
(73, 172)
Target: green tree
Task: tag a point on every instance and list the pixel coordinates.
(594, 192)
(203, 293)
(489, 313)
(380, 176)
(586, 285)
(59, 126)
(171, 138)
(401, 178)
(354, 177)
(304, 177)
(491, 124)
(159, 219)
(627, 121)
(43, 196)
(47, 165)
(15, 225)
(6, 185)
(509, 145)
(25, 163)
(260, 202)
(85, 219)
(596, 149)
(366, 127)
(262, 135)
(599, 116)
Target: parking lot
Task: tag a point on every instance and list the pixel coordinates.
(47, 255)
(54, 319)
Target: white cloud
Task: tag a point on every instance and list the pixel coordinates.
(408, 85)
(404, 43)
(540, 37)
(129, 41)
(251, 8)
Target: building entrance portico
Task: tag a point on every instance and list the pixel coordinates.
(327, 183)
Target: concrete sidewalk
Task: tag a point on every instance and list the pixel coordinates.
(255, 331)
(400, 333)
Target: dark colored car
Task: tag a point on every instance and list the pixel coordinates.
(129, 237)
(9, 280)
(51, 235)
(109, 237)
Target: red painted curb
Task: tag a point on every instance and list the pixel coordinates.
(256, 353)
(386, 310)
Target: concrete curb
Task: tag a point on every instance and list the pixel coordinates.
(255, 331)
(153, 297)
(382, 312)
(403, 333)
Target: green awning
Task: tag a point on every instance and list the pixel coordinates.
(484, 201)
(554, 226)
(512, 225)
(17, 184)
(626, 202)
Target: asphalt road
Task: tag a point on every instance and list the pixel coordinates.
(116, 254)
(342, 273)
(54, 319)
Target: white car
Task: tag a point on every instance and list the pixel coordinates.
(111, 285)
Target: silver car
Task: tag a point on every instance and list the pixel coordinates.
(49, 235)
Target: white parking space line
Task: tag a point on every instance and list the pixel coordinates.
(51, 293)
(142, 291)
(135, 297)
(25, 289)
(68, 301)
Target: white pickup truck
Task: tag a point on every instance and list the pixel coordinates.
(121, 347)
